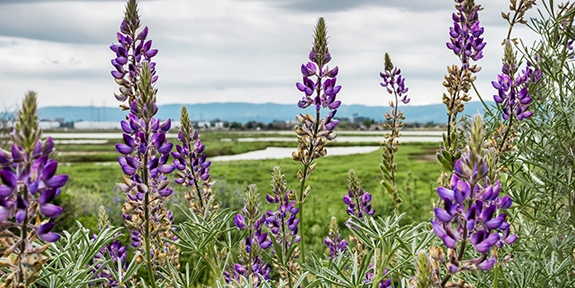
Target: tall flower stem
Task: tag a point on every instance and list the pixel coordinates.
(145, 149)
(395, 85)
(28, 184)
(304, 178)
(313, 133)
(147, 221)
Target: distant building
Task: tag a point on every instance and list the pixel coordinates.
(48, 125)
(93, 125)
(202, 125)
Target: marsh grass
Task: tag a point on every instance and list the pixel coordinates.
(93, 184)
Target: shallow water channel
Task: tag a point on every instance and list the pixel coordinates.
(280, 152)
(371, 139)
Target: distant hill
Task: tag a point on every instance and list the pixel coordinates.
(245, 112)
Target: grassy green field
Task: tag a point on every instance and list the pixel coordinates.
(93, 184)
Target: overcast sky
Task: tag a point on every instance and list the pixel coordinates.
(235, 50)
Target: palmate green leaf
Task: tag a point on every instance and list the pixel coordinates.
(72, 256)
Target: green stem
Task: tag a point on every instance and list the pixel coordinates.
(147, 217)
(190, 145)
(512, 22)
(394, 134)
(285, 249)
(23, 232)
(487, 109)
(500, 149)
(305, 167)
(307, 163)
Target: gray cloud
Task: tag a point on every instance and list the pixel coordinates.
(344, 5)
(230, 50)
(55, 1)
(84, 22)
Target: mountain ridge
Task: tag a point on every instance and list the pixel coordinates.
(244, 112)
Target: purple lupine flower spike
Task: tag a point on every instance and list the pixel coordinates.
(472, 209)
(145, 149)
(393, 81)
(333, 241)
(29, 186)
(193, 168)
(320, 89)
(357, 199)
(395, 85)
(250, 263)
(465, 35)
(113, 251)
(513, 91)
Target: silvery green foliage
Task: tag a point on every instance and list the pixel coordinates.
(71, 258)
(388, 244)
(209, 238)
(541, 173)
(245, 283)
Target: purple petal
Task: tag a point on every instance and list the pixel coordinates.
(16, 154)
(487, 264)
(442, 215)
(20, 216)
(487, 243)
(166, 169)
(495, 222)
(117, 74)
(47, 196)
(45, 234)
(240, 221)
(4, 213)
(438, 229)
(57, 181)
(445, 194)
(5, 191)
(8, 178)
(51, 210)
(511, 239)
(124, 149)
(49, 237)
(449, 242)
(49, 170)
(165, 192)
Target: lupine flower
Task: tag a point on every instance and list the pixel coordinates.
(29, 184)
(190, 160)
(357, 200)
(145, 149)
(395, 85)
(250, 264)
(467, 44)
(381, 284)
(465, 35)
(113, 251)
(393, 81)
(471, 211)
(131, 52)
(320, 89)
(513, 91)
(283, 225)
(333, 240)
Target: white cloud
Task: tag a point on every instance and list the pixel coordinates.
(231, 50)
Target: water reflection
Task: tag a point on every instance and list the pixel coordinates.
(279, 153)
(351, 139)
